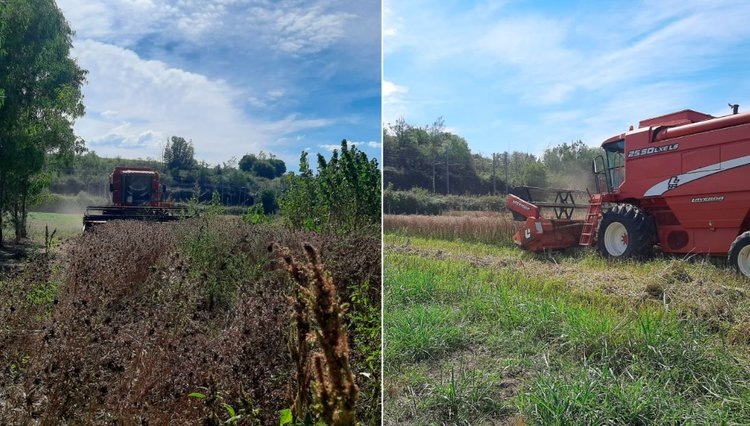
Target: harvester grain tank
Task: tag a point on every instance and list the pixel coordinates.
(679, 182)
(137, 194)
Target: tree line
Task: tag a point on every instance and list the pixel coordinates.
(435, 159)
(238, 183)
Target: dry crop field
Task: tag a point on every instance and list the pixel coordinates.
(187, 323)
(479, 332)
(477, 226)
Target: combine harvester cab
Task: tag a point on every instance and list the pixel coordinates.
(137, 194)
(679, 182)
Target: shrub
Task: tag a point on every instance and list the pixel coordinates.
(268, 201)
(343, 196)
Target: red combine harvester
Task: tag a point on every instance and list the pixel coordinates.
(680, 181)
(137, 194)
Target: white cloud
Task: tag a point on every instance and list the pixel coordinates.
(526, 41)
(530, 78)
(300, 29)
(392, 97)
(291, 26)
(121, 138)
(139, 103)
(112, 19)
(553, 62)
(391, 89)
(329, 147)
(369, 144)
(267, 100)
(391, 23)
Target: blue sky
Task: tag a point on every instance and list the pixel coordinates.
(233, 76)
(528, 75)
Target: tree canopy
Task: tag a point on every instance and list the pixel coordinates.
(343, 196)
(428, 157)
(262, 166)
(179, 154)
(41, 85)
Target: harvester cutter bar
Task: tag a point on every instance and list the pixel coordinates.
(102, 214)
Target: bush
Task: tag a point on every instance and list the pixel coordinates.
(343, 196)
(268, 201)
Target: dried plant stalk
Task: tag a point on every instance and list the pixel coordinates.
(316, 299)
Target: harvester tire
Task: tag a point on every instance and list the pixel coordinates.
(739, 254)
(626, 232)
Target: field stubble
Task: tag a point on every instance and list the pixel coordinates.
(482, 333)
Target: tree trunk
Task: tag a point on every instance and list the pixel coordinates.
(16, 221)
(24, 214)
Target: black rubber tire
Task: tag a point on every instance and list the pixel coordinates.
(640, 227)
(738, 244)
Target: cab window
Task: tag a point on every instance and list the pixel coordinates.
(615, 163)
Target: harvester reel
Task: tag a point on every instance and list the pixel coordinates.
(625, 232)
(739, 254)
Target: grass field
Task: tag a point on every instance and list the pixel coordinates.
(63, 225)
(67, 225)
(482, 334)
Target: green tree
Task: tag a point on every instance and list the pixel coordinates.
(247, 162)
(41, 85)
(570, 164)
(429, 157)
(263, 168)
(344, 195)
(278, 165)
(179, 154)
(526, 170)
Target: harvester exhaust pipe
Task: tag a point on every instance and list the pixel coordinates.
(735, 108)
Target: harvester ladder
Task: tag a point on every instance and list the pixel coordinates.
(592, 220)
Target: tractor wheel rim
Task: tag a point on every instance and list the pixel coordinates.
(616, 239)
(743, 260)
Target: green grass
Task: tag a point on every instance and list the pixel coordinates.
(462, 247)
(476, 334)
(67, 225)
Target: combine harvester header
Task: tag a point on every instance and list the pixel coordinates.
(679, 182)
